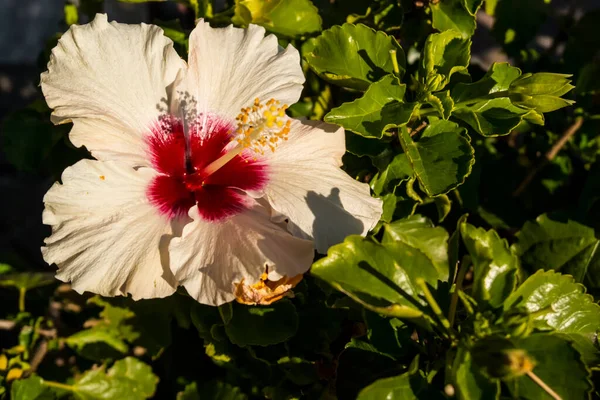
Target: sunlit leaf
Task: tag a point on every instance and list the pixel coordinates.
(366, 55)
(558, 302)
(379, 109)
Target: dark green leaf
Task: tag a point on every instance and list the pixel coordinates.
(553, 357)
(379, 109)
(557, 302)
(397, 171)
(213, 390)
(469, 382)
(262, 325)
(408, 386)
(568, 247)
(366, 55)
(494, 266)
(442, 158)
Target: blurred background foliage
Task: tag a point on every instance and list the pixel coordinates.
(534, 186)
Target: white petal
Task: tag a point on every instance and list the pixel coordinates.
(210, 257)
(109, 79)
(106, 237)
(307, 185)
(230, 67)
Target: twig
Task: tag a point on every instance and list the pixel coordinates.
(39, 355)
(543, 385)
(549, 156)
(418, 129)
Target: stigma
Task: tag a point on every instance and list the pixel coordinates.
(260, 128)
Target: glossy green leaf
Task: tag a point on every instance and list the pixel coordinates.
(128, 378)
(557, 302)
(452, 15)
(379, 109)
(565, 246)
(408, 386)
(31, 388)
(289, 18)
(442, 157)
(557, 364)
(445, 54)
(366, 55)
(262, 325)
(494, 266)
(382, 276)
(468, 380)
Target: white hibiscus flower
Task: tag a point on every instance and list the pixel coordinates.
(185, 188)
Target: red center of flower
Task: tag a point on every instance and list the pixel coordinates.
(180, 186)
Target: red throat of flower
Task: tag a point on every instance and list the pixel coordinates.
(218, 193)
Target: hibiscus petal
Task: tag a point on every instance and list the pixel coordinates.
(110, 79)
(210, 258)
(307, 186)
(106, 237)
(230, 67)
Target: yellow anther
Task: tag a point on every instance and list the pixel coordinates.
(256, 102)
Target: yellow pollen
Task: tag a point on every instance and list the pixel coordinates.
(261, 127)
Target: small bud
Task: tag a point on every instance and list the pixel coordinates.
(499, 359)
(517, 323)
(541, 91)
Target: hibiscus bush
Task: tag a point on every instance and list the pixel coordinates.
(310, 199)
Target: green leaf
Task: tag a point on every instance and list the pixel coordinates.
(382, 276)
(420, 234)
(31, 388)
(442, 158)
(452, 15)
(128, 378)
(262, 325)
(469, 382)
(397, 171)
(26, 280)
(410, 385)
(484, 104)
(568, 247)
(445, 54)
(557, 302)
(288, 18)
(498, 78)
(442, 102)
(213, 390)
(381, 107)
(553, 357)
(109, 336)
(360, 365)
(494, 266)
(496, 117)
(366, 55)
